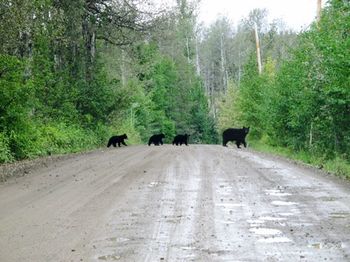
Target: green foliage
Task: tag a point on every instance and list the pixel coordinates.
(64, 89)
(5, 151)
(14, 92)
(312, 92)
(229, 113)
(203, 126)
(62, 137)
(304, 104)
(177, 102)
(250, 104)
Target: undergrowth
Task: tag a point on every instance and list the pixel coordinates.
(337, 165)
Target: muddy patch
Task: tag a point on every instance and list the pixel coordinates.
(327, 244)
(109, 258)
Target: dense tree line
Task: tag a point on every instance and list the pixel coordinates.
(303, 101)
(225, 49)
(74, 72)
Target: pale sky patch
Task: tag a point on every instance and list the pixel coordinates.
(297, 14)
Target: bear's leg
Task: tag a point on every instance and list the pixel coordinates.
(224, 142)
(244, 143)
(238, 144)
(119, 144)
(114, 144)
(124, 143)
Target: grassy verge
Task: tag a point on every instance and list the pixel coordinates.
(37, 140)
(337, 166)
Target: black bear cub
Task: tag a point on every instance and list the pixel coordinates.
(181, 139)
(117, 139)
(156, 139)
(235, 134)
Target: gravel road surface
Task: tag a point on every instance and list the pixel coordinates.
(168, 203)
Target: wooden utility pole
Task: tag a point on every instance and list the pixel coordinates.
(257, 48)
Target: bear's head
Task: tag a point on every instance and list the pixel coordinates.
(125, 136)
(246, 130)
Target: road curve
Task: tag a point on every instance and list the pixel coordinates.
(168, 203)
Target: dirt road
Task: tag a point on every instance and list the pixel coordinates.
(168, 203)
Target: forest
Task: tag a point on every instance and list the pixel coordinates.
(73, 73)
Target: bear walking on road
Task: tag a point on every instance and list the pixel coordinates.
(235, 134)
(114, 140)
(181, 139)
(156, 139)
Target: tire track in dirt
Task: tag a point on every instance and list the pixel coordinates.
(168, 203)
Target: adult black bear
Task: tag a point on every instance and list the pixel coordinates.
(181, 139)
(235, 134)
(117, 139)
(156, 139)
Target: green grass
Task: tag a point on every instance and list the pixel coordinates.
(338, 166)
(35, 140)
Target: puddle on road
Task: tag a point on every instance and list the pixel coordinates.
(118, 239)
(286, 214)
(339, 214)
(188, 248)
(275, 240)
(283, 203)
(254, 223)
(265, 231)
(267, 218)
(154, 184)
(228, 205)
(276, 192)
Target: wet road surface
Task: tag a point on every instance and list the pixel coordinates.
(168, 203)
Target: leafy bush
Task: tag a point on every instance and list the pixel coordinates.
(304, 104)
(5, 152)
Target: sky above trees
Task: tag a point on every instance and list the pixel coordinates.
(297, 14)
